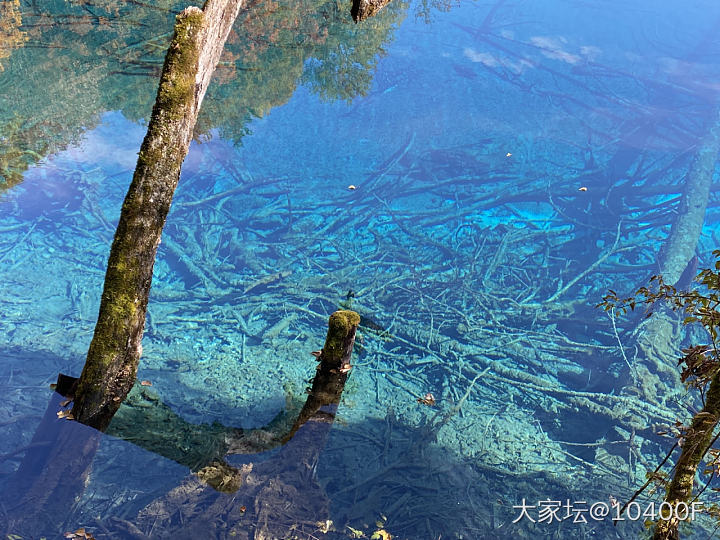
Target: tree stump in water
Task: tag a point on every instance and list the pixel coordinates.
(267, 499)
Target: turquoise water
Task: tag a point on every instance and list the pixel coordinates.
(511, 163)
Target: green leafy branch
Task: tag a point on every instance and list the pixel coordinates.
(701, 362)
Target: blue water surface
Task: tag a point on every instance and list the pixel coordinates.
(470, 178)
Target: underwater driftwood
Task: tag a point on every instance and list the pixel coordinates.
(364, 9)
(115, 350)
(656, 337)
(682, 241)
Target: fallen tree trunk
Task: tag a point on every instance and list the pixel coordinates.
(114, 353)
(685, 231)
(679, 249)
(657, 337)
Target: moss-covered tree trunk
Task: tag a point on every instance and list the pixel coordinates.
(57, 463)
(115, 350)
(695, 444)
(677, 251)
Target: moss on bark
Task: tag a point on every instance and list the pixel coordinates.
(696, 443)
(114, 353)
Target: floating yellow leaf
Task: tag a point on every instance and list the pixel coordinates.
(429, 400)
(324, 526)
(355, 533)
(381, 534)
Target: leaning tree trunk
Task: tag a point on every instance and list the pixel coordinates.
(695, 446)
(685, 231)
(112, 360)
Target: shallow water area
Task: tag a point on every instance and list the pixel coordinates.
(471, 179)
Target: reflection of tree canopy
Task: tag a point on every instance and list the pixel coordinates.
(85, 57)
(11, 37)
(273, 47)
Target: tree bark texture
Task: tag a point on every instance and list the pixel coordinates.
(332, 371)
(364, 9)
(696, 444)
(114, 353)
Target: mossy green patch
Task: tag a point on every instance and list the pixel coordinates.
(177, 86)
(340, 325)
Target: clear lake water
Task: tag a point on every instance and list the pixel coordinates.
(471, 178)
